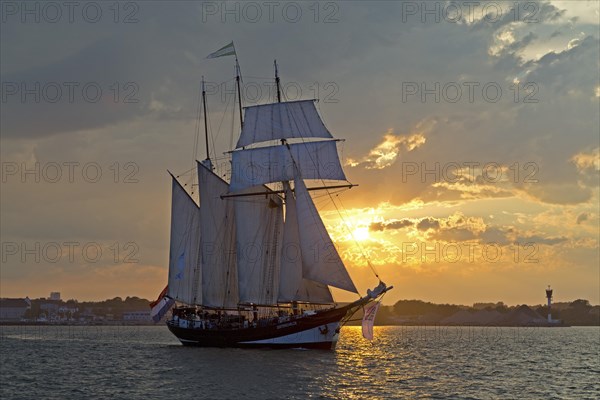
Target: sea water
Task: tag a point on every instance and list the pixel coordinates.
(118, 362)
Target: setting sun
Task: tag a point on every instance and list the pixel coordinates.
(361, 233)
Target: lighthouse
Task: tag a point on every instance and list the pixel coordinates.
(549, 296)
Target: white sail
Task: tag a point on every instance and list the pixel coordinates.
(292, 119)
(314, 160)
(292, 286)
(217, 246)
(184, 265)
(320, 259)
(258, 221)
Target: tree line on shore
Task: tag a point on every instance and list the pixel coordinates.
(407, 312)
(403, 312)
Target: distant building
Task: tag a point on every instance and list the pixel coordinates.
(55, 296)
(13, 309)
(51, 307)
(137, 316)
(49, 310)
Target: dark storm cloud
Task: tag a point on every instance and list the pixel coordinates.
(109, 81)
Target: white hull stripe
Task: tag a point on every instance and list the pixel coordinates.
(324, 333)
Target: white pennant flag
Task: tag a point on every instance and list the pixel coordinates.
(228, 50)
(369, 319)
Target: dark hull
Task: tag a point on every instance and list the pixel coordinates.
(318, 331)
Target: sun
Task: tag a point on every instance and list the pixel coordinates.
(361, 233)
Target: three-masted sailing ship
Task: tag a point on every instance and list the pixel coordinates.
(252, 265)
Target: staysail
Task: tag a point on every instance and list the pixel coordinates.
(184, 265)
(217, 246)
(291, 119)
(320, 259)
(292, 286)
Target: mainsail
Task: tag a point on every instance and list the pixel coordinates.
(184, 268)
(217, 246)
(258, 222)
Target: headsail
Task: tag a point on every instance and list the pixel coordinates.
(184, 265)
(219, 271)
(314, 160)
(320, 259)
(291, 119)
(292, 286)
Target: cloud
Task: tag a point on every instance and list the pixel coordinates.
(458, 227)
(555, 193)
(582, 217)
(100, 85)
(537, 239)
(385, 153)
(587, 160)
(428, 223)
(497, 234)
(391, 224)
(454, 234)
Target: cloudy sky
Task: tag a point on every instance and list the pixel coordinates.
(471, 130)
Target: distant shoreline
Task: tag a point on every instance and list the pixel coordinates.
(133, 311)
(357, 323)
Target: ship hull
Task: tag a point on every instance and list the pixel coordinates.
(318, 331)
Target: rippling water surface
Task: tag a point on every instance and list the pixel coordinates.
(61, 362)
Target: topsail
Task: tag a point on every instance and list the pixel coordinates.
(258, 166)
(292, 119)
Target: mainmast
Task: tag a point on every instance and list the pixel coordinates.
(277, 82)
(205, 119)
